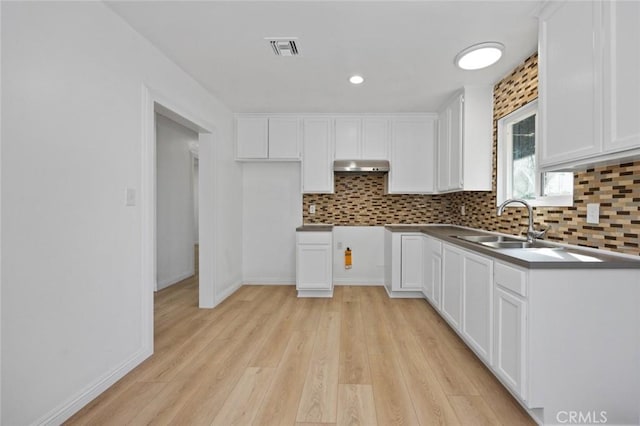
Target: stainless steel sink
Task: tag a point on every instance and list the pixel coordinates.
(518, 244)
(504, 242)
(488, 238)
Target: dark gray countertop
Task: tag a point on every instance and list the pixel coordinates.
(572, 257)
(315, 228)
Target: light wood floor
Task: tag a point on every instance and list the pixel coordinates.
(266, 357)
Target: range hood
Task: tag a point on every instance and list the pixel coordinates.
(361, 166)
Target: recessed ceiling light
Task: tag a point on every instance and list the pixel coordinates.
(479, 56)
(356, 79)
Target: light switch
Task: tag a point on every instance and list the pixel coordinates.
(130, 197)
(593, 213)
(312, 209)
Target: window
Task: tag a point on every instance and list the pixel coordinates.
(518, 175)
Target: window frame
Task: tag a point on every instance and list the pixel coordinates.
(505, 153)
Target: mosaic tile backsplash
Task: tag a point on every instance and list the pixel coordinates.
(359, 199)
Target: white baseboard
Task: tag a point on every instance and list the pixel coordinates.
(64, 411)
(175, 279)
(227, 292)
(269, 281)
(358, 283)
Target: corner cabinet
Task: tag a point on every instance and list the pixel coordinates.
(314, 264)
(412, 156)
(465, 141)
(589, 83)
(317, 156)
(404, 263)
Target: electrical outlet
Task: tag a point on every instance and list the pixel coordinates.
(339, 245)
(312, 209)
(593, 213)
(463, 211)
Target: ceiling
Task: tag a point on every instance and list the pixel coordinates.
(404, 50)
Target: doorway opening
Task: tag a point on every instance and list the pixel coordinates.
(197, 172)
(176, 204)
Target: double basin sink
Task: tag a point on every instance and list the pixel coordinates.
(504, 242)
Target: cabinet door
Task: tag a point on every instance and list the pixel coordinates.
(314, 267)
(510, 329)
(348, 138)
(452, 268)
(412, 149)
(621, 71)
(570, 82)
(432, 270)
(251, 137)
(317, 170)
(375, 139)
(477, 300)
(455, 144)
(412, 260)
(283, 138)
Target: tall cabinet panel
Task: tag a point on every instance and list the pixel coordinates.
(317, 156)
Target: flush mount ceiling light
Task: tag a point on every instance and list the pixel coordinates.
(356, 79)
(479, 56)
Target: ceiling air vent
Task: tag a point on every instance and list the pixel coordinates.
(284, 47)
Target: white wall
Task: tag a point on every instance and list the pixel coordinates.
(72, 126)
(175, 216)
(367, 253)
(272, 209)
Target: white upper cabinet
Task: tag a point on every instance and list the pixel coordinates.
(621, 75)
(465, 139)
(412, 152)
(375, 139)
(570, 81)
(361, 138)
(267, 138)
(284, 134)
(589, 84)
(317, 156)
(348, 138)
(251, 138)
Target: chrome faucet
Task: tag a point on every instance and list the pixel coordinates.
(531, 232)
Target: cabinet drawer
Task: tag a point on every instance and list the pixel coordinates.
(314, 237)
(510, 278)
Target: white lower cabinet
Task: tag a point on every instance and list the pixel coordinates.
(314, 264)
(510, 328)
(412, 269)
(431, 286)
(554, 337)
(452, 261)
(467, 289)
(477, 292)
(404, 263)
